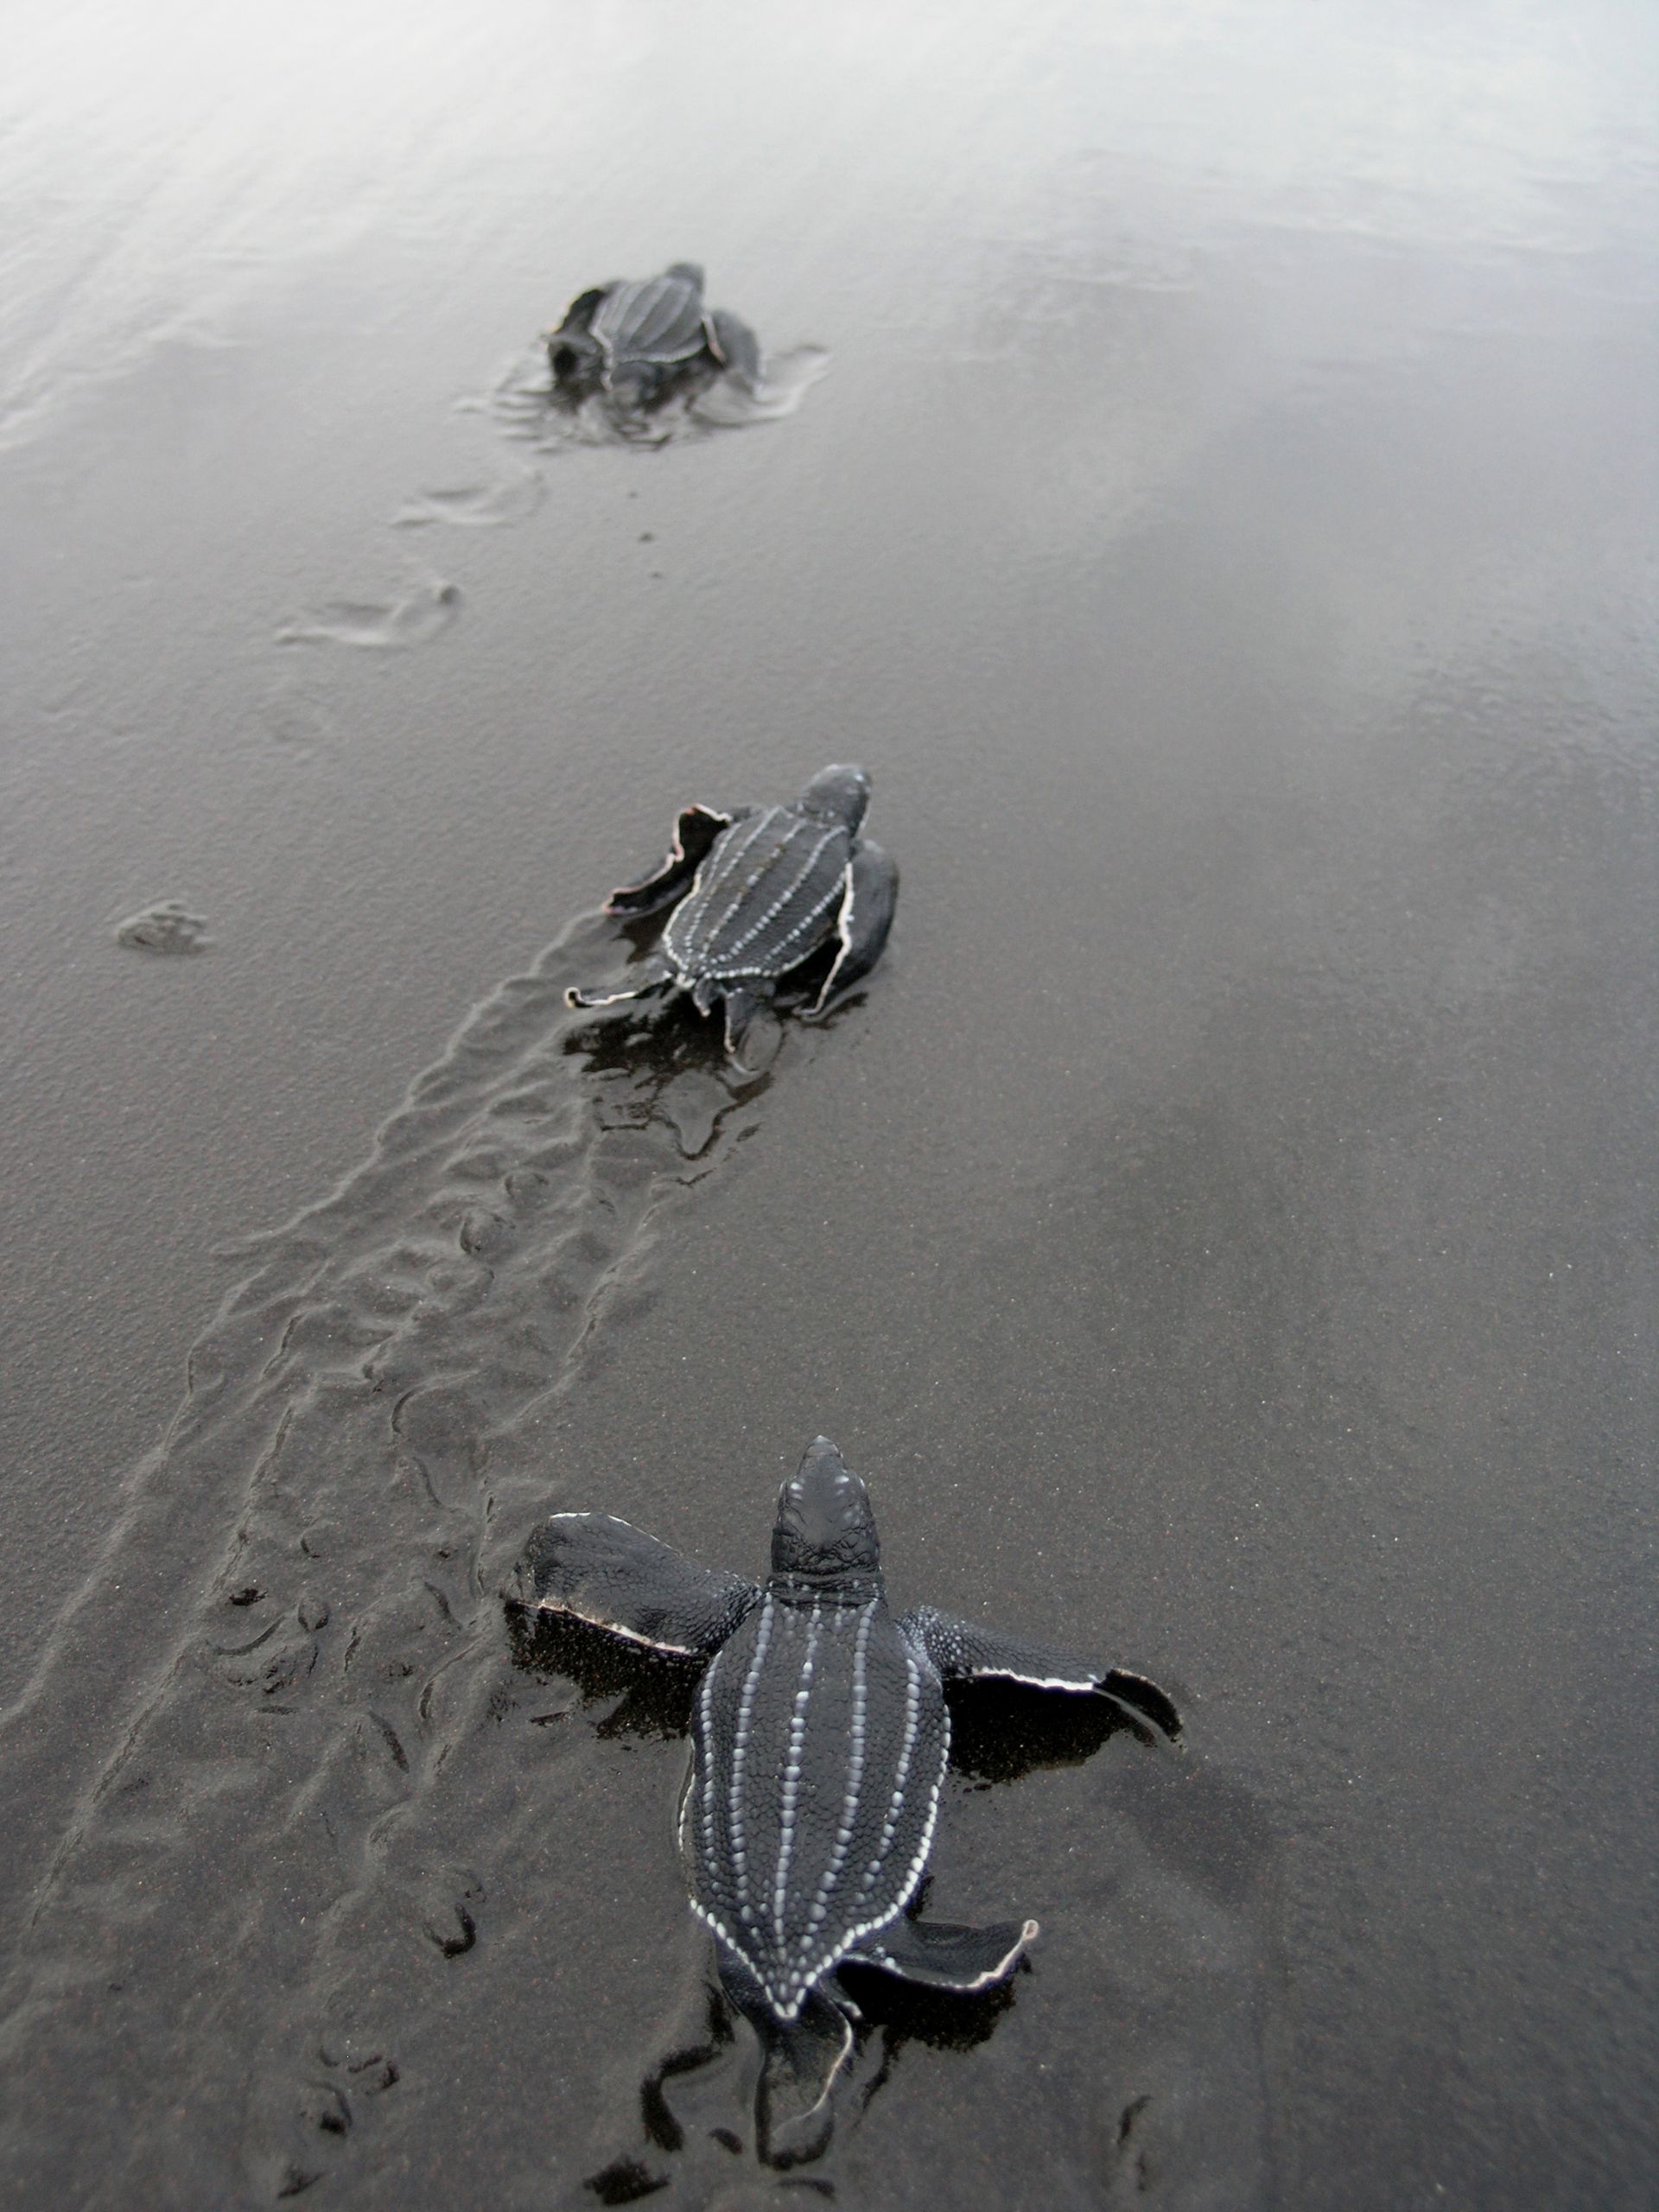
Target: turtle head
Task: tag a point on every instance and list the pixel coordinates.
(838, 794)
(825, 1527)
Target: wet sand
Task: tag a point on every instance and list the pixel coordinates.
(1220, 1231)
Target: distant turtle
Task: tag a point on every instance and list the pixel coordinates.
(637, 340)
(756, 893)
(820, 1738)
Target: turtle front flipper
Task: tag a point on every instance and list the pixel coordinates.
(576, 356)
(866, 916)
(944, 1954)
(695, 832)
(963, 1651)
(579, 315)
(602, 1570)
(734, 346)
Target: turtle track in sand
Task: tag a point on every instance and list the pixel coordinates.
(230, 1742)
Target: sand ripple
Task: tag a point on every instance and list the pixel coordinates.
(294, 1632)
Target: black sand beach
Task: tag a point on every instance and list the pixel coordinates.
(1221, 515)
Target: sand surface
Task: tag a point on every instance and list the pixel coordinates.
(1209, 480)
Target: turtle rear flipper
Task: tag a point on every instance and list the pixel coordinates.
(803, 2056)
(742, 1004)
(694, 833)
(605, 1572)
(866, 916)
(654, 978)
(944, 1954)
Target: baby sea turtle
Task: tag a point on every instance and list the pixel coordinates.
(757, 892)
(637, 340)
(820, 1737)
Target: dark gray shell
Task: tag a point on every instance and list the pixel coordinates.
(821, 1739)
(767, 897)
(654, 318)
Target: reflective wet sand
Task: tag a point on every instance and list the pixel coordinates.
(1221, 1232)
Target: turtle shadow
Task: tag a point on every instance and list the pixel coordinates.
(533, 405)
(704, 2102)
(659, 1062)
(909, 2012)
(533, 402)
(704, 2105)
(1001, 1730)
(652, 1045)
(581, 414)
(648, 1694)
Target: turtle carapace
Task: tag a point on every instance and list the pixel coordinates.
(637, 340)
(820, 1736)
(757, 893)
